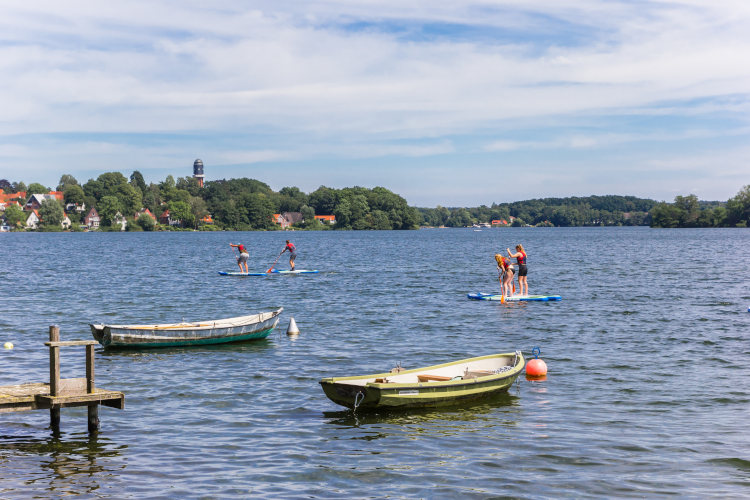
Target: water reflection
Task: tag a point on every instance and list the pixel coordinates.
(250, 346)
(446, 421)
(71, 466)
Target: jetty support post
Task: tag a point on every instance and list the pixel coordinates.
(92, 407)
(54, 376)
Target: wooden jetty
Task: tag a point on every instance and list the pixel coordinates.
(61, 393)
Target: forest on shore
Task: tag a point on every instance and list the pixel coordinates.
(249, 204)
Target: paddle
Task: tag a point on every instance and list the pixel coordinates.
(502, 288)
(274, 263)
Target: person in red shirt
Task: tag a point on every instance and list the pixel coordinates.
(520, 254)
(292, 253)
(505, 268)
(244, 255)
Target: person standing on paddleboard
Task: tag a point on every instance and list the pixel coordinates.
(523, 285)
(244, 255)
(292, 253)
(505, 268)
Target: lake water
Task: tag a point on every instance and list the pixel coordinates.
(648, 357)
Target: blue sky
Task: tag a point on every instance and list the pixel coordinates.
(444, 102)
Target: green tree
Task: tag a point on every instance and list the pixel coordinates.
(36, 188)
(73, 193)
(198, 207)
(65, 181)
(189, 184)
(323, 200)
(14, 216)
(146, 223)
(6, 186)
(380, 220)
(131, 199)
(181, 210)
(459, 217)
(136, 180)
(308, 214)
(51, 213)
(19, 187)
(689, 209)
(738, 208)
(665, 215)
(108, 207)
(343, 213)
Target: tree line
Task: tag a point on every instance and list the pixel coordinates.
(610, 210)
(688, 211)
(249, 204)
(234, 204)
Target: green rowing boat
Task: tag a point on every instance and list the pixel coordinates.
(437, 385)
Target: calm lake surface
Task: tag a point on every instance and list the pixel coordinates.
(648, 356)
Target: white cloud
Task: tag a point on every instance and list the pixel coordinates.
(364, 79)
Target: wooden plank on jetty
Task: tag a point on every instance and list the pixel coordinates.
(62, 393)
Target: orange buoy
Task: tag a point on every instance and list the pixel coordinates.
(536, 367)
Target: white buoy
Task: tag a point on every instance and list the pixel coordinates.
(8, 345)
(292, 330)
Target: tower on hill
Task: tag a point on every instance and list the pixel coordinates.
(198, 171)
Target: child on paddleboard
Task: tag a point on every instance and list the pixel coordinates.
(505, 268)
(242, 259)
(520, 255)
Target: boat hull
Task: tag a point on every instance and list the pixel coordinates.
(241, 328)
(365, 392)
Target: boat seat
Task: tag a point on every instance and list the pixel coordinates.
(432, 378)
(477, 373)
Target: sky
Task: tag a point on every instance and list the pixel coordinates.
(445, 102)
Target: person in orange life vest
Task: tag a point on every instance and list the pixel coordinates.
(520, 254)
(242, 259)
(505, 268)
(292, 253)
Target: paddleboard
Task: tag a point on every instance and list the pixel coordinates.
(237, 273)
(296, 271)
(513, 298)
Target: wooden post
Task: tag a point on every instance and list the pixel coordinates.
(93, 417)
(89, 369)
(54, 376)
(93, 408)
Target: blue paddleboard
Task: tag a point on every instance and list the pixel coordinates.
(296, 271)
(513, 298)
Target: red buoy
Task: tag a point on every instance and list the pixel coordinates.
(536, 367)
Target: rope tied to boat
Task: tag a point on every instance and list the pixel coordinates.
(358, 401)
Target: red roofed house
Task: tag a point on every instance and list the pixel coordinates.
(326, 219)
(7, 198)
(92, 219)
(286, 219)
(32, 221)
(145, 211)
(167, 219)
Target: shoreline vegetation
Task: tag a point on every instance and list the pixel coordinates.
(248, 204)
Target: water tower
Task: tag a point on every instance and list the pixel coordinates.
(198, 171)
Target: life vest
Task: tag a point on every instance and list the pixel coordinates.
(502, 262)
(521, 259)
